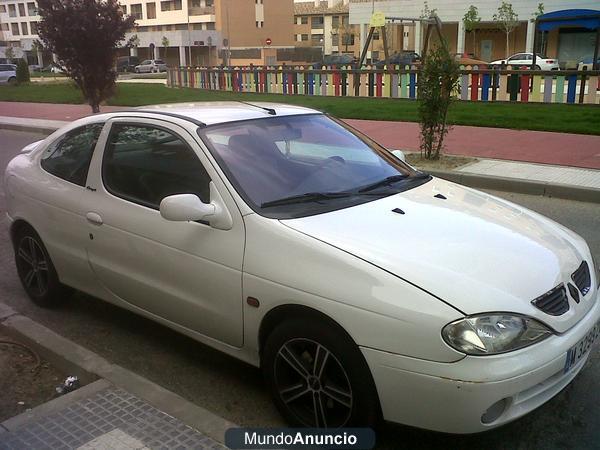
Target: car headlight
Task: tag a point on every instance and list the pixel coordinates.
(490, 334)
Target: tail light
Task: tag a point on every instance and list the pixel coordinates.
(550, 61)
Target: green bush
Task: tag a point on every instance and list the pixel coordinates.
(437, 80)
(23, 72)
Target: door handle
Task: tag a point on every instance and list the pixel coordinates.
(94, 218)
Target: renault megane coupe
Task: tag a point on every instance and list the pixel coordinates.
(363, 288)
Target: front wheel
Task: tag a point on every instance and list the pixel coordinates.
(36, 271)
(12, 81)
(318, 377)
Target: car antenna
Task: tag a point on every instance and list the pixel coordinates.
(271, 111)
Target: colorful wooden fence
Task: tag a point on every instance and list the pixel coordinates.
(486, 85)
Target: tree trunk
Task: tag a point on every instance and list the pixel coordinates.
(507, 53)
(475, 53)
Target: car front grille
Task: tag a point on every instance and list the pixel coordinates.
(582, 279)
(554, 302)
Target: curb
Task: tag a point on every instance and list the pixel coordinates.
(520, 186)
(516, 185)
(89, 367)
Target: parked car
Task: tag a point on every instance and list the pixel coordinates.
(127, 63)
(400, 59)
(336, 60)
(282, 237)
(8, 74)
(52, 68)
(526, 59)
(587, 63)
(151, 66)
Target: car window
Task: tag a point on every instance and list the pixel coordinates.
(146, 62)
(145, 164)
(158, 61)
(69, 157)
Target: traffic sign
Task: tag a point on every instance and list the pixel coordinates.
(268, 41)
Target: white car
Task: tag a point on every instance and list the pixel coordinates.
(8, 74)
(151, 66)
(363, 288)
(526, 59)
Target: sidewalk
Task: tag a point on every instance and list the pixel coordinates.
(114, 409)
(540, 147)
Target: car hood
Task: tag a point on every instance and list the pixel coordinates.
(472, 250)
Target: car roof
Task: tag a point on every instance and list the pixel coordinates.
(211, 113)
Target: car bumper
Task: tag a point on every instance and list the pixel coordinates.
(454, 397)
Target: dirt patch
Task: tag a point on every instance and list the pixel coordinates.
(444, 163)
(25, 380)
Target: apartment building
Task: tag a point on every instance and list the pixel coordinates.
(198, 32)
(567, 44)
(325, 25)
(18, 30)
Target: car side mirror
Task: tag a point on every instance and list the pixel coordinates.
(189, 208)
(399, 154)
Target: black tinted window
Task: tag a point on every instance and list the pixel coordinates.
(69, 157)
(145, 164)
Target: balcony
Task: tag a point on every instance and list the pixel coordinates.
(201, 11)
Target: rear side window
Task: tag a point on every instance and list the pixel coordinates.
(69, 157)
(144, 164)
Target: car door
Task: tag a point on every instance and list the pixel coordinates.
(185, 272)
(57, 211)
(517, 60)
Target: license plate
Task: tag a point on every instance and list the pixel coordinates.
(581, 349)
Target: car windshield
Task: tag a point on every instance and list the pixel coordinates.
(295, 166)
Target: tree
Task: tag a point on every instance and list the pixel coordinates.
(165, 43)
(426, 13)
(508, 21)
(471, 20)
(84, 34)
(438, 79)
(9, 54)
(537, 13)
(23, 72)
(133, 41)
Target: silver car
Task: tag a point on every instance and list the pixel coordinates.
(151, 66)
(8, 73)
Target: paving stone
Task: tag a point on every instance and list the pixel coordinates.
(110, 419)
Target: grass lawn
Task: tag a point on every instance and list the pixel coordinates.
(582, 119)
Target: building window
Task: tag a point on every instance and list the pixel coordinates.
(150, 10)
(15, 29)
(258, 2)
(304, 37)
(304, 20)
(2, 8)
(376, 36)
(33, 26)
(22, 9)
(181, 27)
(136, 11)
(3, 27)
(348, 39)
(12, 10)
(210, 26)
(171, 5)
(24, 28)
(316, 38)
(259, 24)
(335, 22)
(316, 23)
(31, 9)
(209, 2)
(335, 40)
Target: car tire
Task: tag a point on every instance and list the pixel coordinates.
(338, 393)
(137, 70)
(537, 67)
(12, 81)
(36, 270)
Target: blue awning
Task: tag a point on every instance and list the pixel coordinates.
(584, 18)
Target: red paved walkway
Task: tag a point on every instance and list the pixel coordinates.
(517, 145)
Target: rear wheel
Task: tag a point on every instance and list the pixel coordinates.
(318, 377)
(36, 271)
(12, 81)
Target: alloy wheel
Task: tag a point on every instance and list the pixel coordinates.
(313, 384)
(32, 266)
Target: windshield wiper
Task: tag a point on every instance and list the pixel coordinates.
(385, 182)
(307, 197)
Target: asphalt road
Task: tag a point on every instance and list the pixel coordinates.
(235, 390)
